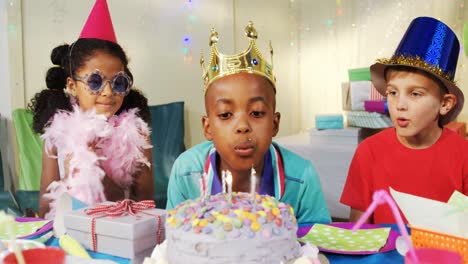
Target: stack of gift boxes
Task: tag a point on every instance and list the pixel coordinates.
(365, 107)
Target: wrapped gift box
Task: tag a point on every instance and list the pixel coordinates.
(359, 74)
(345, 96)
(376, 106)
(361, 91)
(331, 121)
(459, 127)
(368, 120)
(123, 236)
(374, 94)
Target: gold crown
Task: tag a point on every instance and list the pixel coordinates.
(250, 60)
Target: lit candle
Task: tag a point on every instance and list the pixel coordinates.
(205, 179)
(229, 186)
(253, 182)
(202, 186)
(223, 180)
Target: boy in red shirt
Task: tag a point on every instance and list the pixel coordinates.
(416, 156)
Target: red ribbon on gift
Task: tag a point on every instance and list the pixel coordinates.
(121, 208)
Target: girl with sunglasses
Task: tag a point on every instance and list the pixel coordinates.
(94, 124)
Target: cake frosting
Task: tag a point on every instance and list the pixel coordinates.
(246, 229)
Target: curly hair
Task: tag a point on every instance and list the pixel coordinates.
(67, 59)
(135, 98)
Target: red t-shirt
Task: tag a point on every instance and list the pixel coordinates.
(381, 161)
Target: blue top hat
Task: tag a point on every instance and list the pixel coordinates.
(431, 46)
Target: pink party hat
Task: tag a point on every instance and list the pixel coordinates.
(99, 23)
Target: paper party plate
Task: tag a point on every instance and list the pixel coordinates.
(324, 247)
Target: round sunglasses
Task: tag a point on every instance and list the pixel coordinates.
(96, 81)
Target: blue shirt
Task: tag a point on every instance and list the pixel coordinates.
(267, 184)
(302, 186)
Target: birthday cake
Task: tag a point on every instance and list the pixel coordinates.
(213, 230)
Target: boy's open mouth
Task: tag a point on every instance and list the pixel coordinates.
(402, 122)
(244, 149)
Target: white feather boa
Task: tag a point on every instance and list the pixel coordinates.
(118, 152)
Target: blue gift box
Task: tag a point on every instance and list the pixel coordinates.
(330, 121)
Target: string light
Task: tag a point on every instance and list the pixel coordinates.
(293, 20)
(187, 39)
(352, 34)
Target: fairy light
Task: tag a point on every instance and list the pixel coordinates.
(187, 39)
(293, 20)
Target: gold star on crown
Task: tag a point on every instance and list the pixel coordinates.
(250, 60)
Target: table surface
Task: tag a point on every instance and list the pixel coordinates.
(379, 258)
